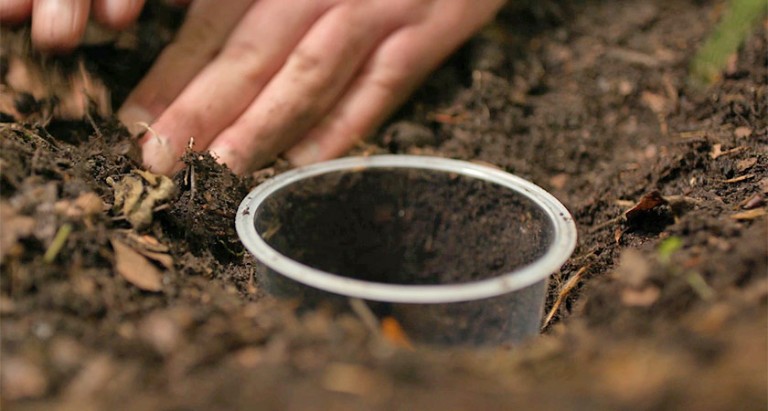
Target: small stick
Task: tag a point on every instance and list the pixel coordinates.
(367, 316)
(58, 243)
(564, 292)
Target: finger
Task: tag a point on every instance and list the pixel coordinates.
(117, 14)
(305, 88)
(58, 25)
(15, 11)
(224, 89)
(402, 61)
(207, 25)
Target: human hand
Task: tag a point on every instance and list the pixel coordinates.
(307, 78)
(58, 25)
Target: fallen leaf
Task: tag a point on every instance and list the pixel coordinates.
(750, 214)
(149, 247)
(649, 202)
(746, 164)
(135, 268)
(164, 259)
(146, 242)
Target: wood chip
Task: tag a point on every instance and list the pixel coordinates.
(135, 268)
(749, 215)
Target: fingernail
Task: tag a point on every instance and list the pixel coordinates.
(116, 10)
(158, 154)
(304, 153)
(134, 118)
(53, 22)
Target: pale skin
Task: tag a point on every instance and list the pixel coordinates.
(249, 80)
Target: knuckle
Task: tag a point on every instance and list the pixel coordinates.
(247, 57)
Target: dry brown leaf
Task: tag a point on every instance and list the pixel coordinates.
(149, 247)
(164, 259)
(145, 242)
(135, 268)
(646, 204)
(750, 214)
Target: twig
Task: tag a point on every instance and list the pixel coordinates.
(58, 243)
(606, 224)
(565, 290)
(367, 316)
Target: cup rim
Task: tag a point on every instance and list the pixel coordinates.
(563, 243)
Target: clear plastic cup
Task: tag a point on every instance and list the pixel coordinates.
(456, 252)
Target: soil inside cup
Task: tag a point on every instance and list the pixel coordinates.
(404, 226)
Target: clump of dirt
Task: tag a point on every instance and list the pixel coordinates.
(589, 100)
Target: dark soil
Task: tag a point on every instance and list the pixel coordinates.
(662, 307)
(405, 226)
